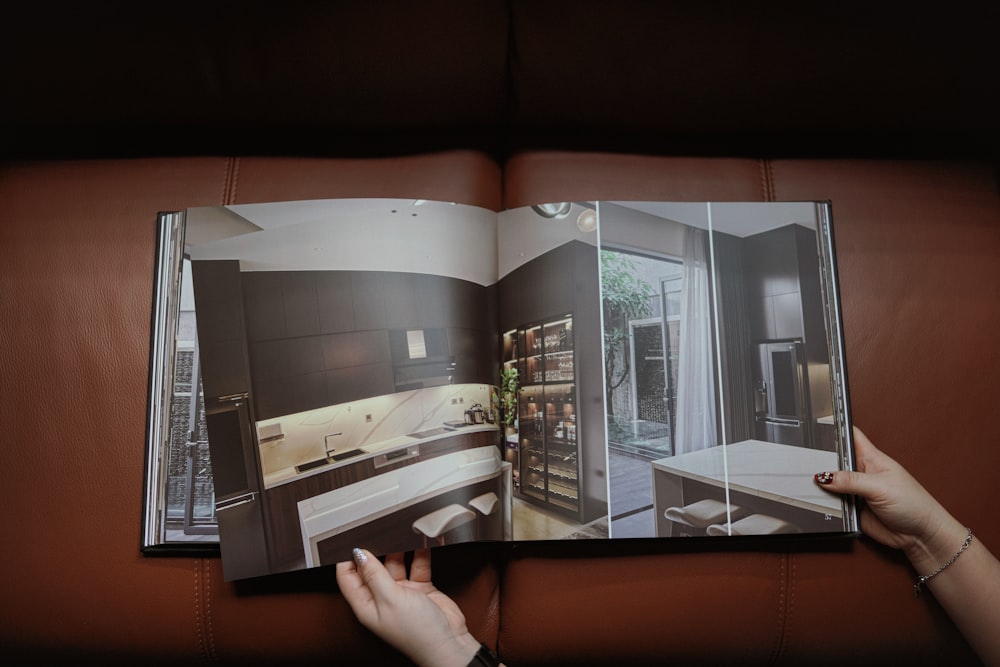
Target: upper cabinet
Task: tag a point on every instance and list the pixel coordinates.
(781, 267)
(221, 333)
(322, 337)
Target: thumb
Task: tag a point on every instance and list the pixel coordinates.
(373, 574)
(847, 481)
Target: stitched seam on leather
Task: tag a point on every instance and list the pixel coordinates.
(229, 183)
(781, 615)
(790, 609)
(767, 189)
(198, 617)
(207, 613)
(234, 180)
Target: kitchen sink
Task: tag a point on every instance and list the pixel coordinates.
(348, 454)
(318, 463)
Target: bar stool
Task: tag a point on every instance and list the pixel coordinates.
(755, 524)
(697, 516)
(435, 525)
(485, 504)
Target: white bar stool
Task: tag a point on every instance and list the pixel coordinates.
(435, 525)
(485, 504)
(697, 516)
(755, 524)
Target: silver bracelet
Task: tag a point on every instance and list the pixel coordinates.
(925, 578)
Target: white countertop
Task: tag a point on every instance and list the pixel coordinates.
(778, 472)
(353, 505)
(286, 475)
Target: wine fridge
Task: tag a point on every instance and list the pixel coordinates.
(548, 439)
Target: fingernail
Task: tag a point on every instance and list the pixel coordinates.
(359, 556)
(824, 477)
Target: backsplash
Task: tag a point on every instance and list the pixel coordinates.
(292, 439)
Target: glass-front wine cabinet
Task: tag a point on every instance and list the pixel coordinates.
(548, 440)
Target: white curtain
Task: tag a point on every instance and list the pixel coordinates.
(696, 427)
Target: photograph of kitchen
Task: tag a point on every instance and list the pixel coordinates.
(351, 374)
(719, 370)
(580, 370)
(550, 323)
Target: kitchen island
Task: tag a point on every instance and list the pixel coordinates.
(284, 489)
(387, 504)
(763, 477)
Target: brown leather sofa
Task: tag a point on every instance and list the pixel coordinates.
(114, 112)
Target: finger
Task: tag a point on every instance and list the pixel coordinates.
(374, 575)
(865, 450)
(850, 482)
(396, 566)
(355, 591)
(420, 569)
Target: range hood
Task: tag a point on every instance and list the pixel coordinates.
(421, 358)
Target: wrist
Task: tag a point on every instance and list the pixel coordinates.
(936, 546)
(457, 652)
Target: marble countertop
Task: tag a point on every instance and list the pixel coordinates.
(778, 472)
(290, 474)
(345, 508)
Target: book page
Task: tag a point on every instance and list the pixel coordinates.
(396, 374)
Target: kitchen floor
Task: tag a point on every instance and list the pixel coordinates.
(531, 522)
(631, 495)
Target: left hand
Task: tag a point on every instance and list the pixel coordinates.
(411, 614)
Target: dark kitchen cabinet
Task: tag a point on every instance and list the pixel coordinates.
(321, 337)
(297, 374)
(335, 297)
(264, 306)
(400, 301)
(282, 396)
(368, 299)
(221, 333)
(352, 383)
(451, 303)
(471, 350)
(301, 308)
(237, 485)
(778, 265)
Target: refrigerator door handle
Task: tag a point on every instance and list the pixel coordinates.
(782, 422)
(234, 502)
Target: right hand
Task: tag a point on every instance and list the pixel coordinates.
(408, 612)
(898, 511)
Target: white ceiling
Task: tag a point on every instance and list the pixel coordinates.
(431, 237)
(737, 218)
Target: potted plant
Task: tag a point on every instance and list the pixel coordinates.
(505, 399)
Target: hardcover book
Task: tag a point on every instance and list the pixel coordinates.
(398, 374)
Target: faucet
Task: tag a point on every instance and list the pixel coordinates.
(326, 443)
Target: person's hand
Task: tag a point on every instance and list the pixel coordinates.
(901, 513)
(408, 613)
(898, 512)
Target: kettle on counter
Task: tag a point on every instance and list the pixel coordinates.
(478, 414)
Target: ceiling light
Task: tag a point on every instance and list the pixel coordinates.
(556, 210)
(587, 220)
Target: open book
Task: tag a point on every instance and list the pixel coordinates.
(396, 374)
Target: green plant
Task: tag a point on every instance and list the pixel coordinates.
(625, 297)
(505, 400)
